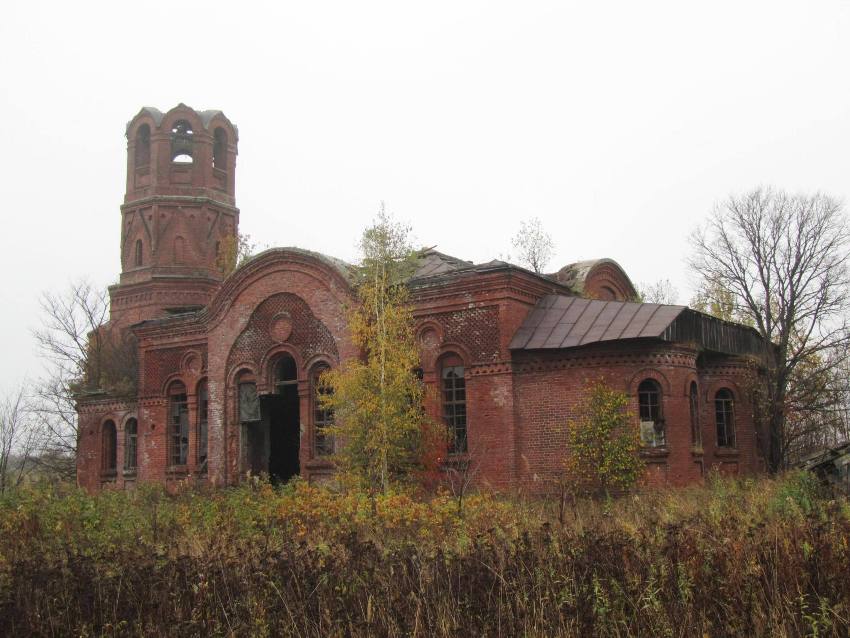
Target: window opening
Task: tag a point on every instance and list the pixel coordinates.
(143, 146)
(724, 410)
(203, 419)
(322, 416)
(454, 407)
(696, 432)
(249, 403)
(220, 149)
(651, 421)
(286, 372)
(131, 432)
(110, 447)
(138, 256)
(182, 142)
(178, 426)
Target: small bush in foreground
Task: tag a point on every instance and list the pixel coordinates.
(734, 558)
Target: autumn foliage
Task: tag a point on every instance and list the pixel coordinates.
(603, 441)
(733, 558)
(384, 434)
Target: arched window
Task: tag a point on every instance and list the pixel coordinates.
(142, 155)
(454, 403)
(203, 420)
(249, 402)
(131, 437)
(109, 448)
(323, 417)
(724, 411)
(285, 372)
(220, 149)
(693, 400)
(138, 259)
(651, 418)
(178, 425)
(182, 142)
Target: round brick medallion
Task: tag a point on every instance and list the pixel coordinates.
(281, 327)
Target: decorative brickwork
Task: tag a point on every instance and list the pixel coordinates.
(475, 329)
(287, 317)
(160, 365)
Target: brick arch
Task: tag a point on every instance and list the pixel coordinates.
(607, 280)
(233, 372)
(270, 359)
(182, 112)
(177, 377)
(690, 377)
(429, 351)
(309, 336)
(456, 349)
(319, 360)
(324, 273)
(709, 390)
(649, 373)
(127, 417)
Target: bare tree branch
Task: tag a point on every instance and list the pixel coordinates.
(82, 354)
(778, 262)
(533, 245)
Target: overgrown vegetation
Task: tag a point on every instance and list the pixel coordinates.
(734, 558)
(603, 443)
(384, 433)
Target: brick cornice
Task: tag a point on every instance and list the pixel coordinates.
(102, 405)
(178, 199)
(679, 357)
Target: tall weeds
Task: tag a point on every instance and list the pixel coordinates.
(732, 558)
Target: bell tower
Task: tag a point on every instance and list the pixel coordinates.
(179, 214)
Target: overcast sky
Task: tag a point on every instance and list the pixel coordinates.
(618, 124)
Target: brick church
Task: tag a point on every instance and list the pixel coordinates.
(227, 366)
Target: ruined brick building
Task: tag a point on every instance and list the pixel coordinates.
(227, 365)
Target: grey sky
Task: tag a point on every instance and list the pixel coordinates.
(619, 124)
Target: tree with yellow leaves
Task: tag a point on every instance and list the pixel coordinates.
(602, 444)
(377, 400)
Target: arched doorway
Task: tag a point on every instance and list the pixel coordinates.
(280, 412)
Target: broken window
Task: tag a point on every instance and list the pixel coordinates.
(454, 405)
(651, 419)
(220, 149)
(178, 425)
(285, 372)
(142, 155)
(203, 420)
(724, 411)
(182, 142)
(109, 446)
(323, 417)
(131, 434)
(696, 432)
(138, 256)
(249, 403)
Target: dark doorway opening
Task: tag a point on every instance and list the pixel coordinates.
(281, 417)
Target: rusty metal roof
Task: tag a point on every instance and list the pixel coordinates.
(559, 321)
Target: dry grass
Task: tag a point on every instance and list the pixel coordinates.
(732, 558)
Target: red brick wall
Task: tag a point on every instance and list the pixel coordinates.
(549, 389)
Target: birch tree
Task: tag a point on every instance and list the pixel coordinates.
(377, 399)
